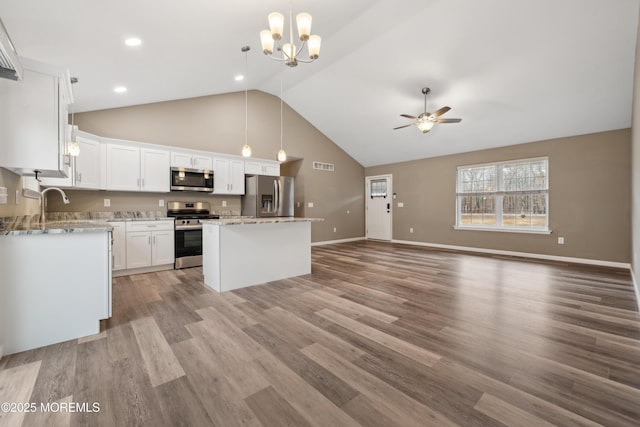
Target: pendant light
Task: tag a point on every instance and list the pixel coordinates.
(282, 155)
(72, 146)
(246, 149)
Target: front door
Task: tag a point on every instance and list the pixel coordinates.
(378, 204)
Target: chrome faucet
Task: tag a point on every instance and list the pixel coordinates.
(65, 200)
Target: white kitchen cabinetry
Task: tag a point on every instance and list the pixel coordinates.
(149, 243)
(131, 168)
(184, 159)
(123, 167)
(154, 170)
(88, 165)
(33, 121)
(119, 248)
(86, 168)
(228, 175)
(262, 167)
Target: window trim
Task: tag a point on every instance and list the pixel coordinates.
(499, 194)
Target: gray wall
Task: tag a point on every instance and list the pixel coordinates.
(25, 206)
(217, 123)
(589, 198)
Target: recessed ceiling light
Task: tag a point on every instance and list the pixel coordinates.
(133, 41)
(119, 89)
(239, 78)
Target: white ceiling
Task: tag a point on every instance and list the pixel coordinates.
(514, 71)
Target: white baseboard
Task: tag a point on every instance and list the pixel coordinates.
(331, 242)
(601, 263)
(636, 288)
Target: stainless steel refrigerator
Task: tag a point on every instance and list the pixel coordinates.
(268, 196)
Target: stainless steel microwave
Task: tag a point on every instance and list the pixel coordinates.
(183, 179)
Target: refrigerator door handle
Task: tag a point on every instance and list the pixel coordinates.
(276, 204)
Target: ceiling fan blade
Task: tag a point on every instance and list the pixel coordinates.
(440, 112)
(448, 120)
(400, 127)
(409, 116)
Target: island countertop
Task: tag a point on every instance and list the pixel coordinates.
(57, 227)
(253, 220)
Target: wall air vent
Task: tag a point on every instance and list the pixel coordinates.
(329, 167)
(10, 67)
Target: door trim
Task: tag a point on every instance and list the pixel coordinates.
(390, 193)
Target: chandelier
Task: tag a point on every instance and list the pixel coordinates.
(290, 52)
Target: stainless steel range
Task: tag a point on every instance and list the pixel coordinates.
(188, 234)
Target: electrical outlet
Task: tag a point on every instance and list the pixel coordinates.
(561, 240)
(224, 203)
(401, 204)
(107, 203)
(161, 203)
(348, 212)
(298, 204)
(335, 229)
(310, 204)
(17, 197)
(410, 229)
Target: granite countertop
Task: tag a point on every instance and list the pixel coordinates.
(159, 218)
(253, 220)
(57, 227)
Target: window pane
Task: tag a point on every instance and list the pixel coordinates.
(477, 210)
(525, 176)
(524, 210)
(477, 179)
(379, 188)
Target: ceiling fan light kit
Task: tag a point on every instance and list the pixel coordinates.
(425, 121)
(290, 52)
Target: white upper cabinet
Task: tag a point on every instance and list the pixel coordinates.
(261, 167)
(132, 168)
(154, 170)
(188, 160)
(88, 164)
(123, 167)
(86, 168)
(33, 121)
(228, 175)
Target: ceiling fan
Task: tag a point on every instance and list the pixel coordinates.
(426, 121)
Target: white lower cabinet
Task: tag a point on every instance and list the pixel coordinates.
(119, 247)
(149, 243)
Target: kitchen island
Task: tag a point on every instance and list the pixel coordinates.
(56, 283)
(240, 252)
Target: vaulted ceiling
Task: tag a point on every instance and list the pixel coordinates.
(514, 71)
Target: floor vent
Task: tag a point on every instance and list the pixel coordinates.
(329, 167)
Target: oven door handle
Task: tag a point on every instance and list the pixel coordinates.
(188, 227)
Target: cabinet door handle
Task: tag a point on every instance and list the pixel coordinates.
(154, 240)
(138, 183)
(149, 239)
(79, 176)
(142, 182)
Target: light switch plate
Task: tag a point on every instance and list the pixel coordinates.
(161, 203)
(401, 204)
(224, 203)
(310, 204)
(107, 203)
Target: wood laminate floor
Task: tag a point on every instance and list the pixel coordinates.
(378, 335)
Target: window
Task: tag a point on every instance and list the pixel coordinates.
(378, 188)
(511, 195)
